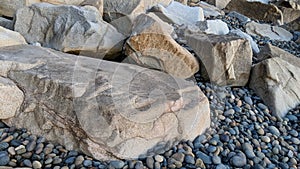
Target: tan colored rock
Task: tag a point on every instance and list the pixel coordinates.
(9, 38)
(105, 109)
(266, 30)
(294, 25)
(295, 4)
(227, 59)
(209, 10)
(221, 4)
(69, 29)
(151, 45)
(9, 7)
(289, 14)
(276, 81)
(257, 10)
(270, 51)
(11, 98)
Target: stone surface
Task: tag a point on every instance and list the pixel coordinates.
(221, 4)
(11, 98)
(272, 32)
(295, 4)
(276, 81)
(270, 51)
(209, 10)
(69, 29)
(151, 45)
(105, 109)
(6, 23)
(256, 10)
(216, 27)
(242, 34)
(177, 13)
(10, 38)
(226, 58)
(294, 25)
(289, 14)
(9, 7)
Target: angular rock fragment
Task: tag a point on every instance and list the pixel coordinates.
(226, 58)
(216, 27)
(244, 35)
(256, 10)
(69, 29)
(294, 25)
(151, 45)
(6, 23)
(221, 4)
(289, 14)
(10, 38)
(276, 81)
(177, 13)
(266, 30)
(9, 7)
(209, 10)
(105, 109)
(270, 51)
(11, 98)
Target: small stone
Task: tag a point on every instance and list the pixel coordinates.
(295, 141)
(3, 146)
(70, 160)
(200, 163)
(205, 158)
(157, 165)
(266, 139)
(11, 151)
(159, 158)
(4, 158)
(178, 157)
(248, 149)
(224, 138)
(221, 166)
(216, 160)
(262, 106)
(27, 163)
(229, 112)
(117, 164)
(239, 160)
(150, 162)
(274, 131)
(261, 131)
(248, 100)
(189, 159)
(36, 165)
(31, 145)
(87, 163)
(79, 160)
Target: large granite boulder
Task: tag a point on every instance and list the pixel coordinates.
(69, 29)
(107, 110)
(10, 38)
(227, 59)
(151, 45)
(177, 13)
(256, 10)
(266, 30)
(277, 81)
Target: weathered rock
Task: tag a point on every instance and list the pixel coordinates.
(177, 13)
(289, 14)
(96, 3)
(262, 1)
(272, 32)
(216, 27)
(270, 51)
(276, 81)
(9, 38)
(256, 10)
(294, 25)
(227, 58)
(244, 35)
(295, 4)
(221, 4)
(6, 23)
(151, 45)
(209, 10)
(69, 29)
(105, 109)
(9, 7)
(11, 98)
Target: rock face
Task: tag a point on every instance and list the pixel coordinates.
(276, 81)
(227, 58)
(69, 29)
(107, 110)
(151, 45)
(177, 13)
(9, 38)
(256, 10)
(272, 32)
(270, 51)
(11, 98)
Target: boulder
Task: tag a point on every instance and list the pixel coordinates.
(221, 4)
(209, 10)
(244, 35)
(270, 51)
(294, 25)
(151, 45)
(295, 4)
(266, 30)
(177, 13)
(216, 27)
(276, 81)
(256, 10)
(11, 98)
(69, 29)
(105, 109)
(289, 14)
(9, 7)
(6, 23)
(96, 3)
(9, 38)
(226, 58)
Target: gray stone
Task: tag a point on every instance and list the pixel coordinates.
(221, 4)
(274, 131)
(216, 27)
(209, 10)
(69, 29)
(226, 58)
(117, 164)
(90, 108)
(205, 158)
(4, 158)
(276, 82)
(216, 160)
(6, 23)
(36, 165)
(239, 160)
(248, 150)
(10, 38)
(242, 34)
